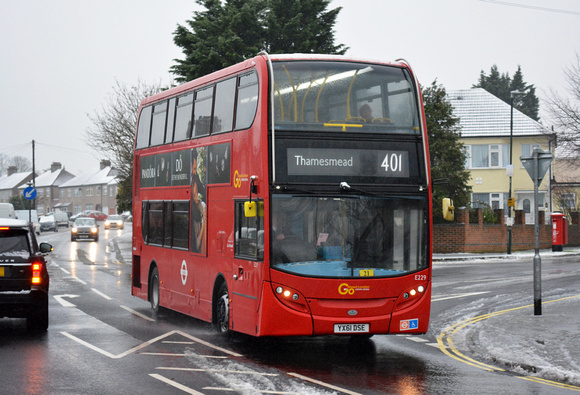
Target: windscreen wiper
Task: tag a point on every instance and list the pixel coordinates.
(347, 188)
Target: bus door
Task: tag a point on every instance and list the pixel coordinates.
(247, 278)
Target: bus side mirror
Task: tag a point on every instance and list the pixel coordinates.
(250, 209)
(448, 210)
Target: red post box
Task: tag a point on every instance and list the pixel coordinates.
(559, 231)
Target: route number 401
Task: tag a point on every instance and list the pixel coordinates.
(420, 277)
(393, 162)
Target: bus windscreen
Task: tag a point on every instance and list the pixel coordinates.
(344, 96)
(344, 237)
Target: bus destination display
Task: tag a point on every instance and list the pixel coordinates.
(347, 162)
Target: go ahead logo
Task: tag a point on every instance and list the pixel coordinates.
(408, 325)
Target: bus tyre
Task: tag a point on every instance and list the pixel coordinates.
(222, 311)
(154, 290)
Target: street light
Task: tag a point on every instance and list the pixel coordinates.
(511, 167)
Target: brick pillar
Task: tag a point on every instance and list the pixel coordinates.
(479, 216)
(520, 218)
(575, 216)
(462, 216)
(541, 217)
(501, 216)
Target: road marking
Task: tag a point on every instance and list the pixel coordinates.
(323, 384)
(217, 371)
(417, 339)
(63, 302)
(64, 270)
(130, 310)
(170, 354)
(100, 293)
(451, 351)
(552, 383)
(175, 384)
(148, 343)
(457, 296)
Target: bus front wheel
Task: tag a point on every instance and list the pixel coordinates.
(222, 310)
(154, 290)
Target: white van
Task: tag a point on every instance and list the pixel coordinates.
(61, 218)
(24, 214)
(7, 210)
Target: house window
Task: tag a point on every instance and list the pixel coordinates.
(567, 200)
(487, 155)
(480, 200)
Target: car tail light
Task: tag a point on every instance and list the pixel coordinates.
(36, 273)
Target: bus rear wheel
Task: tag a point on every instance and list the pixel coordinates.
(222, 311)
(154, 290)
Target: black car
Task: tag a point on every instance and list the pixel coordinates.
(24, 277)
(84, 228)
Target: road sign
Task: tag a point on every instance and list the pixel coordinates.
(544, 161)
(511, 202)
(30, 193)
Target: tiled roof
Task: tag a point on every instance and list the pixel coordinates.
(54, 178)
(13, 180)
(484, 115)
(100, 177)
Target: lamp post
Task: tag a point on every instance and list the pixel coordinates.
(511, 167)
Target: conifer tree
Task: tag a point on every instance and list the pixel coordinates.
(501, 86)
(228, 32)
(447, 154)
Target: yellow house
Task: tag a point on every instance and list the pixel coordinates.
(485, 132)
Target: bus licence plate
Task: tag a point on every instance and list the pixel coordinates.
(351, 328)
(1, 271)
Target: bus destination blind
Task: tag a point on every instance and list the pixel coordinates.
(347, 162)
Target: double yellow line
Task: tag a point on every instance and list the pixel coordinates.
(445, 342)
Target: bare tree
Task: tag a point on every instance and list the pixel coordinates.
(113, 130)
(565, 112)
(21, 163)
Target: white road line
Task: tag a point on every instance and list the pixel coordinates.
(457, 296)
(170, 354)
(321, 383)
(417, 339)
(175, 384)
(175, 342)
(64, 270)
(148, 343)
(216, 371)
(130, 310)
(100, 293)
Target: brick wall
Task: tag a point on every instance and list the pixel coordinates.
(464, 237)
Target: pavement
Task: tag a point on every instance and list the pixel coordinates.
(542, 347)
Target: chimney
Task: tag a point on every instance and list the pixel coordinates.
(11, 170)
(105, 163)
(55, 166)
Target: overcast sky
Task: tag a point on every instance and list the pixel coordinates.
(59, 59)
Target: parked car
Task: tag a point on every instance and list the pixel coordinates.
(84, 228)
(81, 214)
(114, 222)
(29, 214)
(7, 210)
(127, 216)
(98, 215)
(48, 222)
(24, 279)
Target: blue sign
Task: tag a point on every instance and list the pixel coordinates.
(30, 193)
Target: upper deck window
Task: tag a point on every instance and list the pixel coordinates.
(338, 96)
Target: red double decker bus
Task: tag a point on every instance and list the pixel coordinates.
(287, 195)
